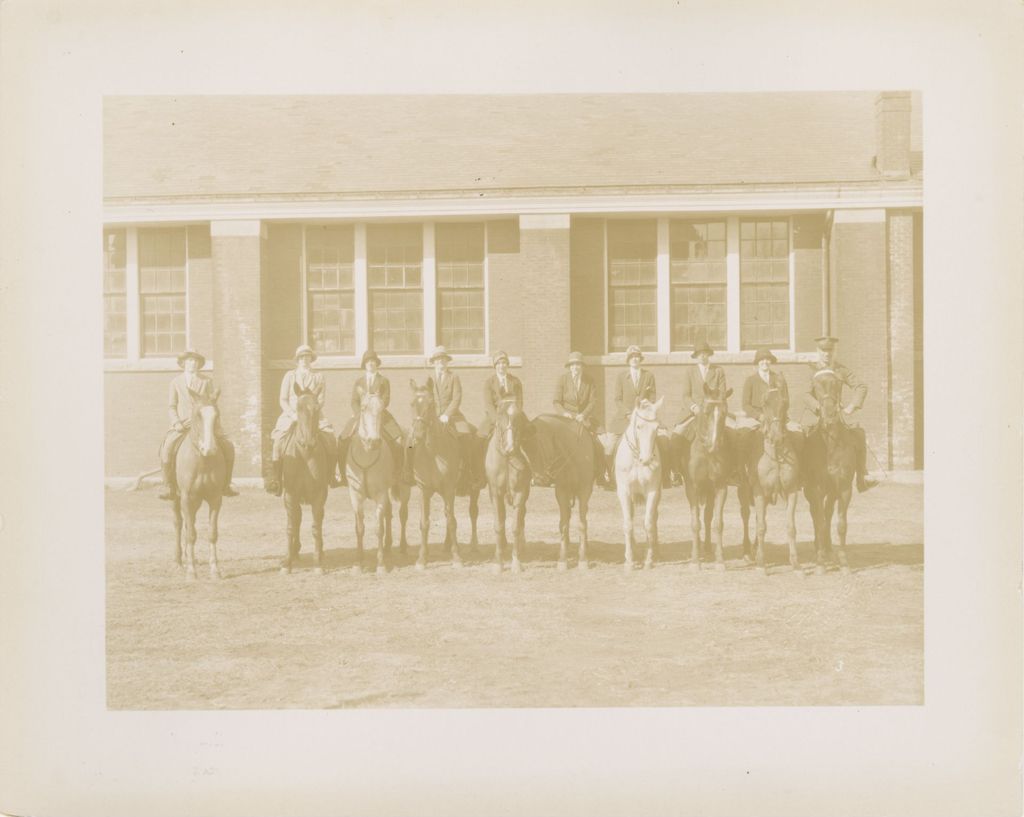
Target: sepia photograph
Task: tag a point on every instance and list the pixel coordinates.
(513, 400)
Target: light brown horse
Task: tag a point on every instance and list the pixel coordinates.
(199, 469)
(830, 460)
(774, 472)
(437, 469)
(306, 466)
(638, 469)
(508, 480)
(371, 473)
(573, 471)
(709, 467)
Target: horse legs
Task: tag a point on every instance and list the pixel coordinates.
(817, 505)
(651, 526)
(761, 512)
(794, 559)
(452, 529)
(189, 518)
(293, 511)
(176, 509)
(844, 504)
(695, 531)
(474, 512)
(564, 513)
(357, 511)
(318, 533)
(425, 496)
(709, 510)
(626, 503)
(581, 510)
(719, 508)
(403, 519)
(214, 519)
(382, 509)
(498, 503)
(519, 534)
(388, 514)
(744, 493)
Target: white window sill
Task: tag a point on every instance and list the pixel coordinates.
(147, 364)
(676, 358)
(397, 362)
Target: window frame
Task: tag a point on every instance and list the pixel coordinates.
(482, 288)
(733, 348)
(658, 290)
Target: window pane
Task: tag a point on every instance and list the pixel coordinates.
(698, 312)
(115, 338)
(162, 288)
(764, 283)
(396, 321)
(330, 254)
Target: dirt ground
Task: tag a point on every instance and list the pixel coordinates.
(257, 639)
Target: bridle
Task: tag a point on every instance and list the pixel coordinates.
(197, 430)
(632, 439)
(717, 405)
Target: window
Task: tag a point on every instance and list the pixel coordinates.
(330, 289)
(395, 282)
(162, 291)
(115, 299)
(764, 283)
(460, 287)
(632, 284)
(698, 278)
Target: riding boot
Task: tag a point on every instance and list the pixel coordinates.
(342, 456)
(276, 484)
(170, 491)
(609, 484)
(332, 459)
(863, 483)
(229, 468)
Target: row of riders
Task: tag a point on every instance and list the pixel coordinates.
(761, 452)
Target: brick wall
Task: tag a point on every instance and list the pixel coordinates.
(238, 341)
(586, 284)
(134, 420)
(200, 290)
(861, 319)
(506, 300)
(807, 251)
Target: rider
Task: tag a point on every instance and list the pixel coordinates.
(370, 382)
(179, 411)
(636, 383)
(304, 377)
(576, 398)
(757, 386)
(695, 378)
(446, 389)
(826, 362)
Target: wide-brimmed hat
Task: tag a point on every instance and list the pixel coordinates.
(369, 355)
(439, 353)
(304, 350)
(826, 343)
(764, 354)
(634, 351)
(701, 346)
(193, 354)
(500, 356)
(574, 357)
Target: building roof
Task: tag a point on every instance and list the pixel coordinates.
(213, 147)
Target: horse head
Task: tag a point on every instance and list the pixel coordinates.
(307, 410)
(371, 408)
(827, 390)
(643, 430)
(773, 423)
(711, 419)
(202, 428)
(509, 426)
(423, 408)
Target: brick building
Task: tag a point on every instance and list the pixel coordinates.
(537, 224)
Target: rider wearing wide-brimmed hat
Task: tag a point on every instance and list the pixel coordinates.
(695, 378)
(306, 378)
(446, 389)
(179, 412)
(757, 387)
(371, 381)
(636, 383)
(499, 387)
(827, 363)
(576, 399)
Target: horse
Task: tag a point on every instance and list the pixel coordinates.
(573, 471)
(306, 476)
(831, 462)
(774, 471)
(199, 469)
(372, 473)
(638, 468)
(437, 469)
(708, 469)
(508, 480)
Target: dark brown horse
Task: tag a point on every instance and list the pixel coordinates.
(710, 465)
(437, 468)
(830, 461)
(200, 469)
(573, 471)
(508, 480)
(306, 467)
(774, 472)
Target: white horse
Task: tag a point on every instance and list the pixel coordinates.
(638, 475)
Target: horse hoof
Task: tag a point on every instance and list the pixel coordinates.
(420, 567)
(190, 575)
(562, 567)
(648, 564)
(357, 570)
(762, 570)
(456, 565)
(284, 571)
(516, 567)
(215, 574)
(583, 565)
(799, 571)
(628, 566)
(845, 570)
(747, 560)
(319, 571)
(496, 569)
(695, 567)
(381, 571)
(719, 567)
(820, 570)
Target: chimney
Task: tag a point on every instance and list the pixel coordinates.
(892, 134)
